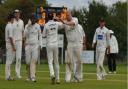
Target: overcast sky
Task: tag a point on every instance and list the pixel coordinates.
(78, 3)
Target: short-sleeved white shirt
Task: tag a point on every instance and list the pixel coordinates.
(51, 32)
(102, 38)
(18, 29)
(33, 35)
(8, 32)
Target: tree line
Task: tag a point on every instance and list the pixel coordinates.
(115, 17)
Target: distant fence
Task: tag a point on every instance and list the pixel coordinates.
(43, 57)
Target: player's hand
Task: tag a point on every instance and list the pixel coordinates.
(24, 44)
(14, 49)
(56, 18)
(84, 48)
(40, 48)
(108, 48)
(94, 45)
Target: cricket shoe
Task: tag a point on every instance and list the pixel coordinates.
(33, 80)
(110, 72)
(18, 77)
(75, 79)
(10, 79)
(67, 81)
(114, 72)
(53, 79)
(103, 75)
(57, 81)
(99, 77)
(28, 79)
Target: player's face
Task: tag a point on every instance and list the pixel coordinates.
(69, 17)
(33, 21)
(12, 20)
(102, 24)
(17, 15)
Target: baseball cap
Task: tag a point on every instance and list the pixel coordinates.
(110, 31)
(102, 20)
(16, 11)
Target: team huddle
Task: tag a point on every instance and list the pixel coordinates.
(31, 36)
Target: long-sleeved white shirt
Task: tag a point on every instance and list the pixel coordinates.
(51, 32)
(113, 45)
(71, 32)
(80, 34)
(8, 32)
(33, 35)
(18, 29)
(101, 38)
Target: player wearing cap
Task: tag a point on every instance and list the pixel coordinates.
(51, 33)
(10, 46)
(113, 53)
(33, 42)
(18, 34)
(101, 42)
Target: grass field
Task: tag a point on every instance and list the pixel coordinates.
(113, 81)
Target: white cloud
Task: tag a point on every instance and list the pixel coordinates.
(78, 3)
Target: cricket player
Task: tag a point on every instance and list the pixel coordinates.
(70, 26)
(51, 33)
(33, 43)
(81, 45)
(18, 34)
(114, 49)
(101, 42)
(10, 46)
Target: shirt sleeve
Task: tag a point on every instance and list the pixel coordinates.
(23, 26)
(75, 20)
(83, 33)
(40, 37)
(108, 38)
(60, 25)
(44, 31)
(94, 38)
(116, 44)
(10, 32)
(25, 32)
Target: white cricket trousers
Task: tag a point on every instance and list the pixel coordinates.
(52, 55)
(18, 45)
(78, 69)
(31, 52)
(99, 61)
(73, 63)
(9, 60)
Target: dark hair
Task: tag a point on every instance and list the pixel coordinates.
(10, 16)
(50, 16)
(101, 20)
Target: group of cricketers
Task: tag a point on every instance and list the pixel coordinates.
(31, 34)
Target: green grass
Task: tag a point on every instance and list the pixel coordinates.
(113, 81)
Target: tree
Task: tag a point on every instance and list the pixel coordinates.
(117, 21)
(26, 6)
